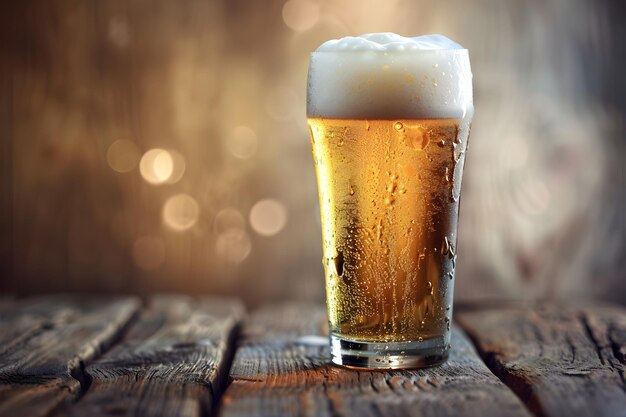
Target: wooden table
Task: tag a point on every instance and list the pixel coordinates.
(180, 356)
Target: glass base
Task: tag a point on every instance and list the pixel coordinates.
(391, 355)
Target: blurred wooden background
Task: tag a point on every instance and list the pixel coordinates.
(89, 87)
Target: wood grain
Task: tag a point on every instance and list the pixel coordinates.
(561, 361)
(173, 362)
(44, 343)
(281, 368)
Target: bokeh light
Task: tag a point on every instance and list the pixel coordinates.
(233, 246)
(119, 33)
(301, 15)
(216, 99)
(268, 217)
(149, 252)
(180, 212)
(156, 166)
(178, 166)
(123, 156)
(242, 142)
(226, 219)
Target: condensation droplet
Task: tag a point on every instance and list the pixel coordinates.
(445, 248)
(417, 137)
(339, 261)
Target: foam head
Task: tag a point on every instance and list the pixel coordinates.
(387, 76)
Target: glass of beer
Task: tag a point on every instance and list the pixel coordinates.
(389, 119)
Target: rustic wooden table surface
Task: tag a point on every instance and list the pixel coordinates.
(180, 356)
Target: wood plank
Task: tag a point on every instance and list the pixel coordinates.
(282, 368)
(561, 361)
(44, 343)
(173, 362)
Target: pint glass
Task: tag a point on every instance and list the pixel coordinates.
(389, 119)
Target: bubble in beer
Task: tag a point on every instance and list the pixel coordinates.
(180, 212)
(268, 217)
(123, 156)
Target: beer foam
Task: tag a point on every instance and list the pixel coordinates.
(388, 76)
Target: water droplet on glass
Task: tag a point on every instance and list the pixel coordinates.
(420, 339)
(442, 143)
(445, 248)
(418, 138)
(398, 126)
(429, 285)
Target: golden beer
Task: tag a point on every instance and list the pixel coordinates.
(389, 191)
(389, 200)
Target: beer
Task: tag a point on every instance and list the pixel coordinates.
(389, 149)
